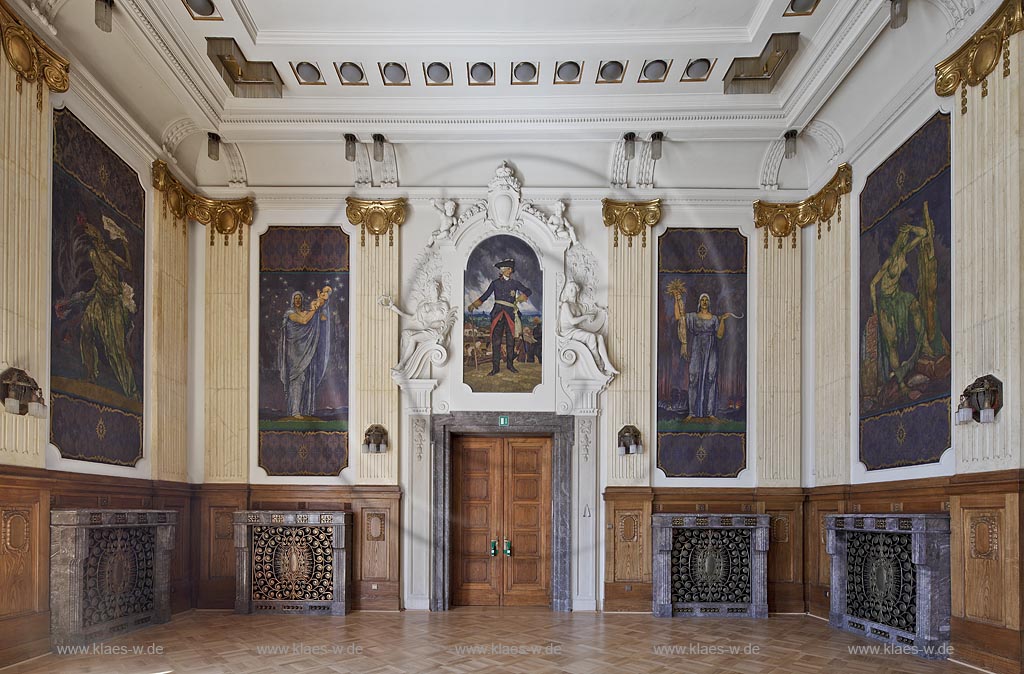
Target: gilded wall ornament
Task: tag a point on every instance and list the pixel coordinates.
(379, 217)
(785, 219)
(223, 216)
(975, 60)
(31, 58)
(631, 218)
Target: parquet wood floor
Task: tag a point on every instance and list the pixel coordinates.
(514, 640)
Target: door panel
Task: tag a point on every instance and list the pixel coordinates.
(501, 491)
(528, 521)
(476, 521)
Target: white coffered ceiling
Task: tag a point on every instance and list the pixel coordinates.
(155, 66)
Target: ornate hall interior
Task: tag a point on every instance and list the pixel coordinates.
(577, 336)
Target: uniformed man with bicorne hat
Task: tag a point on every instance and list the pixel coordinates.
(506, 323)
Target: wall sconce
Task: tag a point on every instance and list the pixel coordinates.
(630, 145)
(375, 440)
(629, 440)
(213, 146)
(104, 12)
(656, 139)
(980, 401)
(21, 394)
(790, 144)
(897, 13)
(378, 147)
(350, 147)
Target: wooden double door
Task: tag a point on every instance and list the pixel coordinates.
(501, 521)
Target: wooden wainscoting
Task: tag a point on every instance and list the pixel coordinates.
(213, 542)
(627, 561)
(985, 570)
(376, 569)
(26, 497)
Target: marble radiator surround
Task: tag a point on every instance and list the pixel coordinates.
(755, 528)
(109, 572)
(561, 428)
(928, 548)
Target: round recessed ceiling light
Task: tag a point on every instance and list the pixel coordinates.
(351, 72)
(655, 70)
(525, 72)
(438, 73)
(698, 69)
(481, 72)
(394, 73)
(307, 72)
(201, 7)
(611, 71)
(568, 71)
(802, 6)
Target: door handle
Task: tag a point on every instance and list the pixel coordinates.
(494, 548)
(508, 548)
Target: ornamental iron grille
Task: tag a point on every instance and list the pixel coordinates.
(881, 584)
(293, 563)
(710, 565)
(118, 574)
(890, 579)
(109, 572)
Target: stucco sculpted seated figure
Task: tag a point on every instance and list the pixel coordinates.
(426, 340)
(576, 325)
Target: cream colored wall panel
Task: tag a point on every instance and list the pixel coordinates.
(831, 352)
(630, 346)
(987, 328)
(24, 255)
(376, 394)
(170, 320)
(778, 292)
(227, 363)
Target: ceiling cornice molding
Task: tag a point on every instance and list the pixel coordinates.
(194, 78)
(956, 12)
(827, 136)
(854, 35)
(328, 198)
(175, 132)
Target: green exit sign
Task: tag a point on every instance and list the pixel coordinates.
(503, 420)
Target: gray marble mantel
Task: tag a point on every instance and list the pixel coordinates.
(726, 565)
(890, 579)
(110, 572)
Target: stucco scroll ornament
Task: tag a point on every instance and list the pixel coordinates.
(425, 341)
(449, 223)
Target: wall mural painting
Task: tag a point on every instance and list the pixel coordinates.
(303, 351)
(702, 352)
(503, 326)
(97, 338)
(905, 316)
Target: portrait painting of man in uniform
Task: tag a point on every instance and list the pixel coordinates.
(503, 317)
